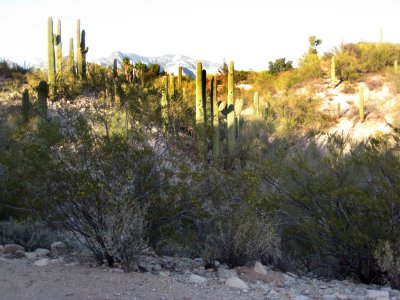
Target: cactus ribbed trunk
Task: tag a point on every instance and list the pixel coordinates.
(395, 66)
(51, 56)
(230, 117)
(179, 77)
(84, 50)
(333, 71)
(361, 104)
(25, 105)
(200, 120)
(59, 56)
(204, 89)
(164, 103)
(256, 106)
(78, 49)
(214, 118)
(71, 58)
(43, 93)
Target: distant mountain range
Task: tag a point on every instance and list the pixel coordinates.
(168, 62)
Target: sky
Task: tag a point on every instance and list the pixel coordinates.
(249, 32)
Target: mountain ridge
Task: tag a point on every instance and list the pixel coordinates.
(167, 62)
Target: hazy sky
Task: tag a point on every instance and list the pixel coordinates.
(250, 32)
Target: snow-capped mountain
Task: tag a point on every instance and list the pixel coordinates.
(168, 62)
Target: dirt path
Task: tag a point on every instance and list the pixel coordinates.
(56, 281)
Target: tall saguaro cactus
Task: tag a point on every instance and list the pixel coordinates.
(256, 106)
(84, 50)
(51, 55)
(204, 89)
(333, 71)
(179, 77)
(78, 48)
(200, 121)
(25, 105)
(361, 104)
(214, 118)
(230, 117)
(71, 59)
(395, 67)
(43, 93)
(164, 102)
(59, 56)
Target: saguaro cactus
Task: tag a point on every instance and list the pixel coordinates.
(256, 106)
(25, 105)
(78, 48)
(395, 66)
(200, 120)
(59, 56)
(43, 93)
(214, 118)
(84, 50)
(238, 111)
(179, 77)
(204, 89)
(164, 102)
(51, 55)
(71, 59)
(230, 117)
(361, 104)
(333, 71)
(115, 67)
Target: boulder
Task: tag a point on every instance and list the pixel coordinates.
(30, 255)
(58, 248)
(235, 282)
(40, 252)
(224, 273)
(260, 268)
(42, 262)
(12, 249)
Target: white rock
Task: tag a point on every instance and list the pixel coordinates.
(42, 252)
(224, 273)
(42, 262)
(196, 279)
(30, 255)
(260, 268)
(164, 274)
(375, 294)
(237, 283)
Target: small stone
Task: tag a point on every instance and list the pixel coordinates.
(196, 279)
(58, 248)
(259, 268)
(42, 262)
(164, 273)
(12, 249)
(30, 255)
(375, 294)
(235, 282)
(40, 252)
(157, 268)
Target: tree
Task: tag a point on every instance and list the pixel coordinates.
(314, 43)
(280, 65)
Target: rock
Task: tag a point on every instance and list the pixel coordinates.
(235, 282)
(156, 268)
(42, 262)
(1, 249)
(196, 279)
(260, 268)
(58, 248)
(164, 274)
(224, 273)
(40, 252)
(30, 255)
(377, 294)
(12, 249)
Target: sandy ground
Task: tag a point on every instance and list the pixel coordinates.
(56, 281)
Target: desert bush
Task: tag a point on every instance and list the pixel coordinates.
(388, 260)
(29, 234)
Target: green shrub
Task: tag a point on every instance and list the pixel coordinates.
(29, 234)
